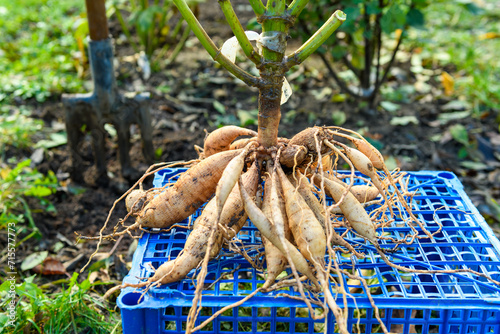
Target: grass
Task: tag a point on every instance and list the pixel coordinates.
(76, 308)
(39, 59)
(38, 52)
(463, 38)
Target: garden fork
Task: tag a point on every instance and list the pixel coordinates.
(91, 111)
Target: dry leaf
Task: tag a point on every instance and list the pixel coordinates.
(489, 35)
(448, 83)
(50, 266)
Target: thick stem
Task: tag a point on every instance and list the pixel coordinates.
(272, 71)
(269, 114)
(239, 32)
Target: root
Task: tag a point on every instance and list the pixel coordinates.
(224, 309)
(150, 171)
(314, 154)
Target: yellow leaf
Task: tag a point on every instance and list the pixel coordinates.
(165, 30)
(398, 33)
(489, 35)
(4, 173)
(448, 83)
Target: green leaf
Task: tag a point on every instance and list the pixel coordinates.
(453, 116)
(34, 259)
(38, 191)
(338, 98)
(373, 8)
(158, 153)
(404, 120)
(456, 105)
(473, 165)
(338, 51)
(462, 153)
(415, 18)
(459, 133)
(56, 139)
(393, 19)
(110, 129)
(389, 106)
(247, 117)
(219, 107)
(85, 285)
(339, 117)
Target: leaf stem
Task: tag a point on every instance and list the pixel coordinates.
(296, 7)
(239, 32)
(317, 39)
(257, 7)
(210, 46)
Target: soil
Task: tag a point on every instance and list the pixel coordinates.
(183, 104)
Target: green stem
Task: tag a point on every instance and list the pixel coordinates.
(210, 46)
(296, 7)
(179, 45)
(257, 7)
(177, 28)
(317, 39)
(239, 32)
(275, 26)
(125, 29)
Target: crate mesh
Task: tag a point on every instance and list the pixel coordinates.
(409, 303)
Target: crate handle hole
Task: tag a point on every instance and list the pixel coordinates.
(446, 175)
(132, 298)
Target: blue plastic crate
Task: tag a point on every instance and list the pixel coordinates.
(409, 303)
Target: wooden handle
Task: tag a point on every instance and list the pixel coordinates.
(98, 23)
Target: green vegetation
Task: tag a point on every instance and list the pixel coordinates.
(42, 55)
(76, 308)
(362, 44)
(15, 185)
(16, 128)
(38, 48)
(464, 39)
(158, 28)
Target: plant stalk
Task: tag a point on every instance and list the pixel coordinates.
(210, 46)
(257, 7)
(296, 7)
(274, 32)
(239, 32)
(316, 40)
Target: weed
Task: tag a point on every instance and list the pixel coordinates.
(16, 128)
(158, 29)
(75, 308)
(15, 185)
(36, 58)
(465, 37)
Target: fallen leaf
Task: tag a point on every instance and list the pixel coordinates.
(56, 139)
(489, 35)
(247, 117)
(219, 107)
(403, 120)
(474, 165)
(34, 259)
(389, 106)
(338, 98)
(50, 266)
(452, 116)
(456, 105)
(459, 133)
(448, 83)
(339, 117)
